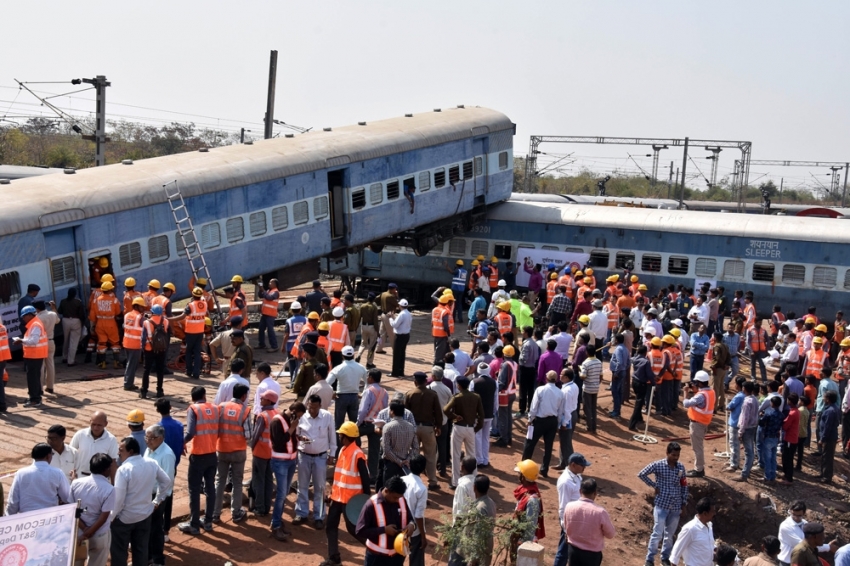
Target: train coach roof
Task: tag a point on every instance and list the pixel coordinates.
(40, 202)
(672, 221)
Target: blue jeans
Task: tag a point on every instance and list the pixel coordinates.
(617, 390)
(666, 521)
(194, 361)
(561, 555)
(696, 363)
(283, 470)
(768, 453)
(748, 441)
(311, 468)
(267, 323)
(734, 365)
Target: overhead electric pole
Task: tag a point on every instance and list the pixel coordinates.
(684, 170)
(99, 138)
(270, 100)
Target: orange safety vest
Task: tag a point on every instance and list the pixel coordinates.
(776, 320)
(236, 311)
(337, 335)
(231, 434)
(670, 356)
(613, 315)
(679, 360)
(843, 363)
(39, 351)
(611, 290)
(302, 337)
(494, 277)
(634, 288)
(840, 330)
(749, 315)
(106, 307)
(656, 362)
(703, 416)
(581, 290)
(290, 453)
(551, 291)
(504, 322)
(263, 447)
(758, 339)
(162, 301)
(566, 281)
(133, 330)
(437, 329)
(347, 482)
(269, 307)
(386, 546)
(381, 396)
(814, 362)
(206, 429)
(150, 326)
(195, 320)
(149, 296)
(5, 352)
(128, 300)
(511, 388)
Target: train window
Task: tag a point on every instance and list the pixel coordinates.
(235, 229)
(847, 279)
(528, 246)
(257, 223)
(503, 161)
(457, 247)
(392, 190)
(158, 249)
(467, 170)
(320, 207)
(130, 255)
(763, 272)
(301, 212)
(424, 181)
(650, 262)
(573, 250)
(376, 193)
(480, 247)
(622, 259)
(733, 268)
(210, 235)
(190, 241)
(706, 267)
(10, 287)
(479, 166)
(794, 274)
(554, 248)
(599, 258)
(677, 265)
(63, 270)
(454, 175)
(280, 218)
(502, 251)
(439, 178)
(358, 199)
(825, 277)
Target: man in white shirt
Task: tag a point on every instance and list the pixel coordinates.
(462, 360)
(545, 415)
(562, 338)
(699, 312)
(348, 376)
(400, 323)
(49, 319)
(444, 395)
(135, 481)
(696, 539)
(416, 496)
(464, 492)
(569, 389)
(97, 501)
(569, 489)
(158, 451)
(39, 485)
(791, 533)
(93, 440)
(598, 324)
(321, 387)
(316, 449)
(64, 457)
(267, 383)
(225, 390)
(791, 355)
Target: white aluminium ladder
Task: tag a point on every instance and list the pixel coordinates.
(186, 235)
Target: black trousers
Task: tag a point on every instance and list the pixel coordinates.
(375, 559)
(827, 458)
(194, 361)
(801, 445)
(202, 470)
(545, 428)
(335, 511)
(640, 389)
(845, 430)
(156, 545)
(153, 359)
(579, 557)
(33, 368)
(527, 380)
(391, 469)
(124, 535)
(443, 445)
(167, 506)
(788, 451)
(399, 353)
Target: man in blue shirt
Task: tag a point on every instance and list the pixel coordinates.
(771, 421)
(671, 495)
(174, 440)
(828, 434)
(732, 341)
(459, 279)
(734, 411)
(619, 367)
(699, 347)
(478, 303)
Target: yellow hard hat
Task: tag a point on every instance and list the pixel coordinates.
(324, 326)
(676, 332)
(668, 339)
(494, 259)
(656, 341)
(201, 282)
(236, 279)
(588, 280)
(170, 287)
(196, 292)
(588, 271)
(553, 275)
(614, 278)
(444, 299)
(107, 286)
(529, 469)
(448, 293)
(480, 258)
(129, 282)
(107, 277)
(154, 283)
(809, 319)
(504, 306)
(584, 319)
(135, 417)
(634, 278)
(139, 301)
(611, 279)
(476, 263)
(103, 262)
(579, 273)
(313, 316)
(509, 351)
(641, 287)
(817, 340)
(573, 268)
(401, 545)
(459, 262)
(845, 343)
(349, 429)
(821, 328)
(207, 321)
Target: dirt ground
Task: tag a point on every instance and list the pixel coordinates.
(747, 512)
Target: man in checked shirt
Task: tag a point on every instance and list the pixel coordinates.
(671, 494)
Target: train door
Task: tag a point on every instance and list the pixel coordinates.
(61, 252)
(480, 148)
(336, 197)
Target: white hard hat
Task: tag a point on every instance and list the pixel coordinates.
(652, 311)
(649, 330)
(338, 312)
(502, 283)
(348, 352)
(402, 303)
(678, 322)
(295, 305)
(702, 376)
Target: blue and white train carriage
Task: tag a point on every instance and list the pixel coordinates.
(793, 261)
(270, 208)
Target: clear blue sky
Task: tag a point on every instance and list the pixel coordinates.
(772, 72)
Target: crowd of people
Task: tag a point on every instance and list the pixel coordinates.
(545, 348)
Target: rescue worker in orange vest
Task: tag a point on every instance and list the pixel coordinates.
(634, 283)
(505, 321)
(104, 318)
(611, 287)
(494, 273)
(208, 297)
(262, 478)
(805, 336)
(91, 346)
(96, 289)
(351, 477)
(658, 364)
(383, 519)
(284, 462)
(551, 287)
(268, 313)
(699, 401)
(157, 323)
(612, 312)
(589, 273)
(776, 320)
(5, 356)
(840, 326)
(640, 293)
(35, 350)
(202, 430)
(668, 380)
(749, 311)
(442, 326)
(151, 294)
(132, 342)
(567, 282)
(821, 331)
(679, 370)
(586, 286)
(234, 430)
(130, 293)
(842, 364)
(338, 337)
(238, 302)
(816, 360)
(195, 314)
(164, 300)
(757, 348)
(578, 279)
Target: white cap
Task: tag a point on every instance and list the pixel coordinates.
(295, 305)
(338, 312)
(502, 283)
(702, 376)
(348, 352)
(678, 322)
(402, 303)
(653, 310)
(483, 369)
(649, 330)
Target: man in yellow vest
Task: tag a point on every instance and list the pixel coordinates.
(35, 350)
(351, 477)
(699, 401)
(133, 325)
(234, 430)
(195, 313)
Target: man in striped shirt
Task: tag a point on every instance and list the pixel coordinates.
(591, 372)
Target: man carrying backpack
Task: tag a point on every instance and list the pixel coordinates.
(156, 336)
